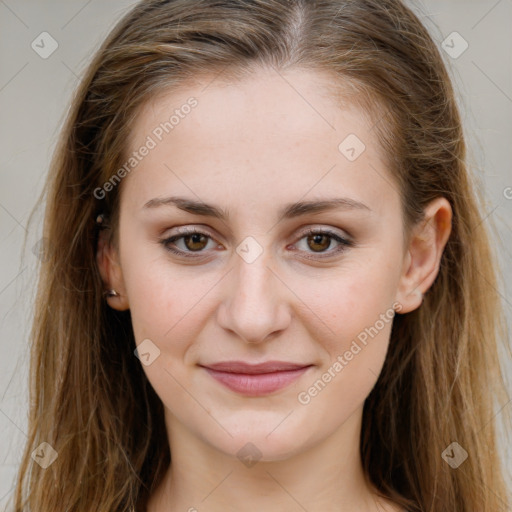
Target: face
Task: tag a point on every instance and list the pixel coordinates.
(314, 287)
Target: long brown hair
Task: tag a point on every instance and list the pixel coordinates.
(90, 399)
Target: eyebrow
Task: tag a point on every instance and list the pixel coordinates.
(288, 211)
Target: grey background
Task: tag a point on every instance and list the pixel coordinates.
(34, 97)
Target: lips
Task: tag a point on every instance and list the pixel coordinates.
(254, 369)
(256, 379)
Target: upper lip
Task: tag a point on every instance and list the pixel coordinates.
(247, 368)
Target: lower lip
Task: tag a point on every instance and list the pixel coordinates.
(257, 384)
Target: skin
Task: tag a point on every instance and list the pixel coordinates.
(250, 147)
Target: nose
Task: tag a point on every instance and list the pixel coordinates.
(256, 303)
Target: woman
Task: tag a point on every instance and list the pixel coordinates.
(267, 284)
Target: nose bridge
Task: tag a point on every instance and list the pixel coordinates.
(254, 307)
(254, 281)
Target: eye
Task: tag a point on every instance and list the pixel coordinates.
(193, 240)
(319, 240)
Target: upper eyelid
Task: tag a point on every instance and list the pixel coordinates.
(302, 231)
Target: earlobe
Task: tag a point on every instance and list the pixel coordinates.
(111, 274)
(423, 258)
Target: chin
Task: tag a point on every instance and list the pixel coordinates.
(263, 443)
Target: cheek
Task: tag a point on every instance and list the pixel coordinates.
(341, 387)
(167, 307)
(351, 317)
(357, 317)
(161, 298)
(343, 305)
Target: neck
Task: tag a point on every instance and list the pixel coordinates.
(201, 478)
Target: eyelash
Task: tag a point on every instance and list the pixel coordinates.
(344, 243)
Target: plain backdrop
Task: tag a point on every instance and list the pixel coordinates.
(35, 94)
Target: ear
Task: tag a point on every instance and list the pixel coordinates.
(107, 258)
(423, 255)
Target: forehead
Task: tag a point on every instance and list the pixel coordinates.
(271, 136)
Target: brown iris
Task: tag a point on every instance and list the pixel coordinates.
(317, 241)
(195, 237)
